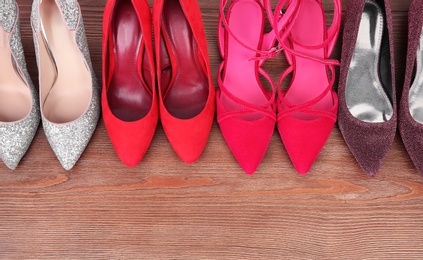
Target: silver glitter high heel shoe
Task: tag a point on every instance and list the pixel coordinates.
(19, 113)
(69, 93)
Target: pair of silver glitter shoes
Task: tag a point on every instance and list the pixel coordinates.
(69, 96)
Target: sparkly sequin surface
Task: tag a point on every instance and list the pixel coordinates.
(69, 140)
(8, 14)
(16, 137)
(71, 12)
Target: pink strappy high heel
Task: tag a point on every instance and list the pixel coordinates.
(307, 110)
(246, 111)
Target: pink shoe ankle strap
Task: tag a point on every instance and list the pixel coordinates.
(268, 49)
(307, 106)
(283, 37)
(293, 7)
(248, 108)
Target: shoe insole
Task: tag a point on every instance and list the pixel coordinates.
(187, 93)
(65, 80)
(128, 94)
(366, 92)
(310, 78)
(245, 19)
(416, 90)
(15, 96)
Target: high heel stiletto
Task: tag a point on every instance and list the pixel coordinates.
(19, 111)
(367, 105)
(246, 111)
(129, 99)
(186, 91)
(411, 106)
(307, 110)
(69, 93)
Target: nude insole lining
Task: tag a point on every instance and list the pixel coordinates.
(15, 96)
(66, 85)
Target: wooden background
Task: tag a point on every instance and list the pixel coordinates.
(164, 209)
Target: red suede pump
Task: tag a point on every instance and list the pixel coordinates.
(185, 87)
(129, 99)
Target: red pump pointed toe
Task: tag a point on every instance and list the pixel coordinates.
(185, 86)
(129, 99)
(187, 137)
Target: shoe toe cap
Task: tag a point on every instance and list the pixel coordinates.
(131, 140)
(188, 137)
(368, 142)
(69, 140)
(411, 132)
(15, 138)
(187, 141)
(304, 140)
(248, 140)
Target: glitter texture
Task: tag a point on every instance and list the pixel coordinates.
(8, 14)
(35, 15)
(70, 11)
(16, 137)
(69, 140)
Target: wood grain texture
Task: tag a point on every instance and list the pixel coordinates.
(164, 209)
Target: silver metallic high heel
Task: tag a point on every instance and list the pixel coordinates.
(69, 93)
(19, 111)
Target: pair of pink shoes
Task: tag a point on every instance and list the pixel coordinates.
(247, 112)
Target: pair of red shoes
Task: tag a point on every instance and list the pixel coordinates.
(184, 96)
(247, 112)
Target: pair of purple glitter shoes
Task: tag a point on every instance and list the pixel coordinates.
(367, 97)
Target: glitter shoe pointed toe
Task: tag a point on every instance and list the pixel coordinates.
(367, 100)
(19, 113)
(69, 93)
